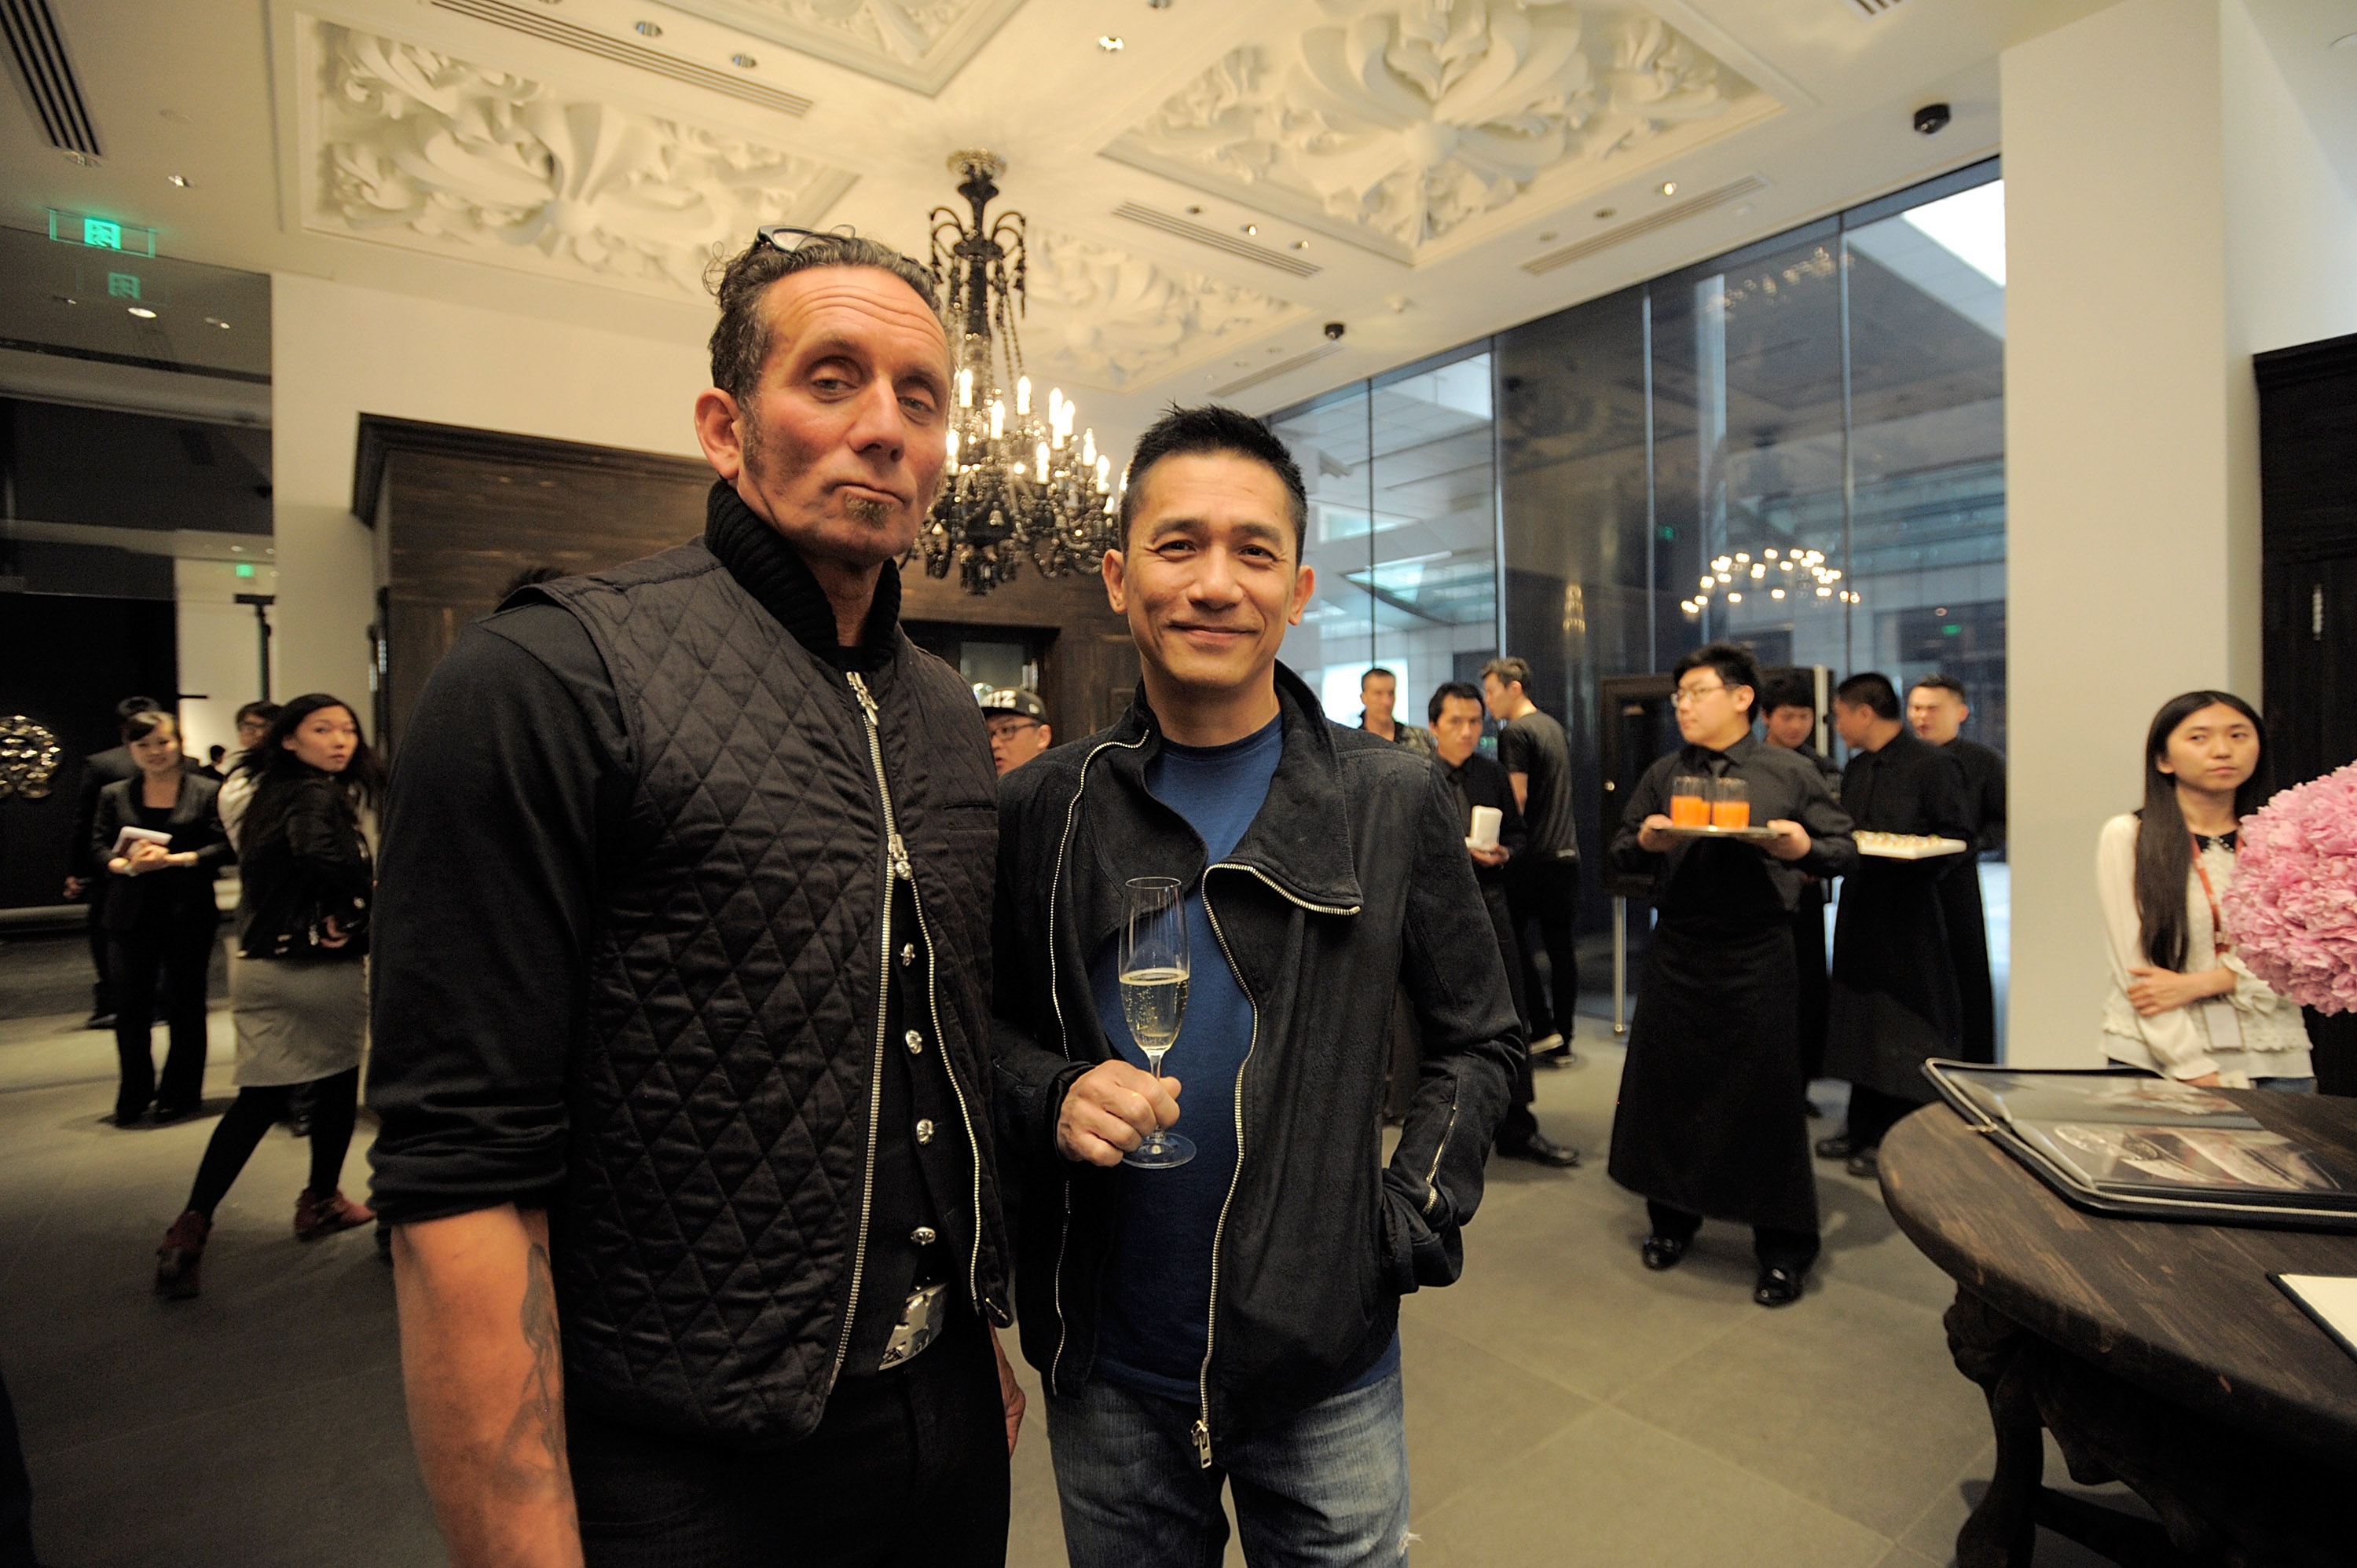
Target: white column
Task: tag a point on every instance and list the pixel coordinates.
(2141, 236)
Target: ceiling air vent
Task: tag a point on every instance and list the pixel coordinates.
(1217, 241)
(1282, 368)
(38, 50)
(1678, 212)
(549, 29)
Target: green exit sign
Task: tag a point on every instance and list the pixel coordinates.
(245, 568)
(100, 233)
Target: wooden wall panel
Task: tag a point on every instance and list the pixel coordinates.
(461, 512)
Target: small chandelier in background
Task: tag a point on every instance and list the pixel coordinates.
(1018, 483)
(1793, 575)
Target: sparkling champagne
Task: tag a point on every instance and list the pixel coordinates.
(1154, 1001)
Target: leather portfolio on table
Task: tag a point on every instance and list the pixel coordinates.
(2151, 1148)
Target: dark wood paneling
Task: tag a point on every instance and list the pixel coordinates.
(461, 512)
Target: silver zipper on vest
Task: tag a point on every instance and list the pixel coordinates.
(897, 849)
(1064, 1038)
(894, 858)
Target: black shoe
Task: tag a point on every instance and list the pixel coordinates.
(1662, 1252)
(1839, 1147)
(1777, 1287)
(1555, 1056)
(122, 1118)
(99, 1021)
(168, 1114)
(1541, 1150)
(1865, 1163)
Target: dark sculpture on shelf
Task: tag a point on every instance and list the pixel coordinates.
(29, 755)
(1016, 484)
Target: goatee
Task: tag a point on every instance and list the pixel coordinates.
(866, 510)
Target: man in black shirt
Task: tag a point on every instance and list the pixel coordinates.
(1710, 1124)
(681, 1024)
(1477, 780)
(1936, 710)
(1543, 885)
(1791, 725)
(1895, 1000)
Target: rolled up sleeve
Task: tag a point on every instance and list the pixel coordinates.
(508, 785)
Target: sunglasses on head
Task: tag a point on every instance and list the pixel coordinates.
(785, 239)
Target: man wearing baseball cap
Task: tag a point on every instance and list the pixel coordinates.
(1017, 722)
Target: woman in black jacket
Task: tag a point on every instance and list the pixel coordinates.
(299, 986)
(159, 914)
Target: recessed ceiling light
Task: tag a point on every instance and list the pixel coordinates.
(84, 159)
(1110, 45)
(1251, 228)
(141, 311)
(743, 62)
(1158, 4)
(216, 321)
(1194, 211)
(649, 29)
(1604, 212)
(1669, 188)
(1276, 347)
(1301, 244)
(237, 549)
(1547, 236)
(183, 181)
(1743, 210)
(64, 299)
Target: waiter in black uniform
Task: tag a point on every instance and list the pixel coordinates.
(1710, 1122)
(1476, 780)
(1791, 705)
(1895, 996)
(1936, 710)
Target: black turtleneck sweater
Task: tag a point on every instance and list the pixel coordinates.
(522, 709)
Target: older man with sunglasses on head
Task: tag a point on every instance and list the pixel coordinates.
(681, 1013)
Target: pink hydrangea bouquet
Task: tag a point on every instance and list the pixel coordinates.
(2293, 906)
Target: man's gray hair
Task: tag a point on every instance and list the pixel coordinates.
(740, 342)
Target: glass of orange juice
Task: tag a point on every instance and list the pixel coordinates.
(1690, 802)
(1730, 804)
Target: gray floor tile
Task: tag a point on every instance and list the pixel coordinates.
(1468, 1411)
(1847, 1397)
(1613, 1491)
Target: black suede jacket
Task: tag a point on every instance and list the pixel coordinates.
(1354, 876)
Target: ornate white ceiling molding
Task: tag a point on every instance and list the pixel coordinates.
(1102, 318)
(1398, 124)
(405, 145)
(912, 43)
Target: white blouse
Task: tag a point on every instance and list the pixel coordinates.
(2250, 1032)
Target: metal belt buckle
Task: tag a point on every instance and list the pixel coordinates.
(923, 1319)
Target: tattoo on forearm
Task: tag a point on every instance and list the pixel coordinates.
(534, 1455)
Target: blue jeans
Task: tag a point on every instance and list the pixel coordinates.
(1326, 1488)
(2285, 1085)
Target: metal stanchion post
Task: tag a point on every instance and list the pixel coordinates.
(1620, 965)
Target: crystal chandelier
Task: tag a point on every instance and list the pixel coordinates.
(1793, 575)
(1016, 482)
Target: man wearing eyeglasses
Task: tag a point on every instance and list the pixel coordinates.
(1017, 721)
(680, 1032)
(1711, 1123)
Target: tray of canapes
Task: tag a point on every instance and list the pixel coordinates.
(1907, 846)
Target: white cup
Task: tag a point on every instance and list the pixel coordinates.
(1485, 827)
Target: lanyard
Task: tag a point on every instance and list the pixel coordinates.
(2218, 939)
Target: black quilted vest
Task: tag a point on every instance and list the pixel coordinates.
(719, 1109)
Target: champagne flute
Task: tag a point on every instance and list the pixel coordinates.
(1153, 970)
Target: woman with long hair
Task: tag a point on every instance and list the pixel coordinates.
(159, 914)
(2181, 1003)
(299, 988)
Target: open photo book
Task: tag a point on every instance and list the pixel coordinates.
(2153, 1148)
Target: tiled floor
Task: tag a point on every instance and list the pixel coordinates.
(1565, 1407)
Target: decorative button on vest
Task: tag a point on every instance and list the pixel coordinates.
(925, 1131)
(923, 1235)
(916, 1042)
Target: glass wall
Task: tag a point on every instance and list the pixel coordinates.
(1798, 446)
(1402, 530)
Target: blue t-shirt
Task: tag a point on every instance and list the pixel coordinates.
(1157, 1287)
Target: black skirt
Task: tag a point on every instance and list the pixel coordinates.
(1712, 1118)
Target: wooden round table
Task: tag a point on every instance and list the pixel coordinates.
(2158, 1353)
